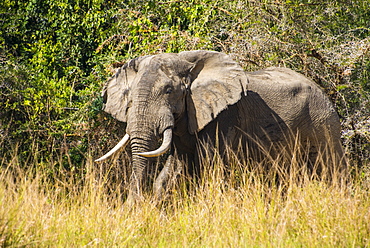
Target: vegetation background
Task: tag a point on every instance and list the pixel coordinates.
(56, 54)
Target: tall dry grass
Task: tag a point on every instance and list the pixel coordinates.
(239, 204)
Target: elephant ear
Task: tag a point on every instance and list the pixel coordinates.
(216, 82)
(116, 91)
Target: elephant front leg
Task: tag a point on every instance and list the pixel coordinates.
(167, 177)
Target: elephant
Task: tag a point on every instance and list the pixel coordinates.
(191, 98)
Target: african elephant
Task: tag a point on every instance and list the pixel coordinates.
(196, 96)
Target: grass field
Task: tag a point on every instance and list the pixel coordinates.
(243, 209)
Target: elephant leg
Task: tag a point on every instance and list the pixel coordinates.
(326, 158)
(167, 177)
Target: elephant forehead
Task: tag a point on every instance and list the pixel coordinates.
(153, 78)
(166, 57)
(163, 60)
(170, 63)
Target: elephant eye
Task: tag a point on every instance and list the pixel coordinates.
(169, 90)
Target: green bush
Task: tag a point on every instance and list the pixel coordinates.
(55, 56)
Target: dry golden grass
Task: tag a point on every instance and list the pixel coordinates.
(244, 208)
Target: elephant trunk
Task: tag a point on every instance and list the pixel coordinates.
(166, 144)
(139, 144)
(143, 147)
(146, 123)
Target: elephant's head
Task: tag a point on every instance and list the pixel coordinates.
(153, 93)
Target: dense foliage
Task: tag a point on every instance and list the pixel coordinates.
(55, 56)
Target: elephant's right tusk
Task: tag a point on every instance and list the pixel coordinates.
(123, 143)
(166, 144)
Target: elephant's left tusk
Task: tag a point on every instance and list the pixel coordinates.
(166, 144)
(123, 142)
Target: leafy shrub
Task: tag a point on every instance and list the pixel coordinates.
(55, 55)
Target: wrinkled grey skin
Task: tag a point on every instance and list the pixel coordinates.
(196, 93)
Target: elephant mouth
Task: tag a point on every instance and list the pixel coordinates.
(165, 146)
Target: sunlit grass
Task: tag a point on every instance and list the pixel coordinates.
(239, 209)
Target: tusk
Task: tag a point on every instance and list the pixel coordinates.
(166, 144)
(123, 142)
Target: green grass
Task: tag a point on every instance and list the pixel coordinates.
(243, 209)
